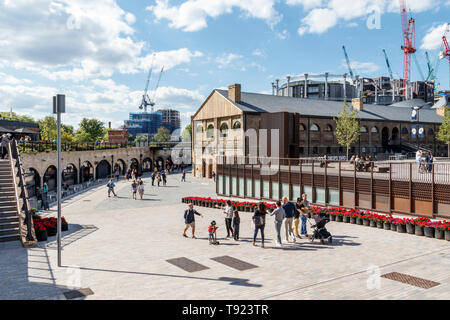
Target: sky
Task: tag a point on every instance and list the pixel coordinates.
(98, 53)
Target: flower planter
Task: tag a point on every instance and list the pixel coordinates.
(439, 234)
(359, 221)
(366, 222)
(393, 227)
(353, 220)
(380, 225)
(333, 217)
(373, 223)
(410, 228)
(429, 232)
(401, 228)
(447, 235)
(418, 231)
(339, 218)
(387, 225)
(41, 235)
(346, 219)
(51, 231)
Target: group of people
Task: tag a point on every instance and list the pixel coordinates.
(287, 213)
(361, 163)
(424, 162)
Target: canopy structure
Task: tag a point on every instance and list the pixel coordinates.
(25, 131)
(4, 130)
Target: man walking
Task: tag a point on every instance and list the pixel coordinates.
(117, 174)
(111, 186)
(153, 178)
(183, 176)
(214, 176)
(3, 145)
(189, 220)
(418, 159)
(289, 209)
(303, 210)
(279, 214)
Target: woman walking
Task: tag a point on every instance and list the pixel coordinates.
(228, 212)
(259, 219)
(45, 196)
(236, 224)
(141, 189)
(279, 217)
(134, 186)
(158, 178)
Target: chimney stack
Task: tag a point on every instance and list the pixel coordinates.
(109, 125)
(234, 92)
(357, 104)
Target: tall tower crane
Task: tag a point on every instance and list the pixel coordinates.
(145, 98)
(388, 65)
(409, 43)
(348, 64)
(445, 53)
(156, 89)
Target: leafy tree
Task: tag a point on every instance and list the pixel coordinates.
(347, 126)
(90, 130)
(163, 135)
(130, 138)
(186, 135)
(48, 127)
(444, 130)
(15, 117)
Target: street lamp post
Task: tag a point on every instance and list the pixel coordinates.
(59, 106)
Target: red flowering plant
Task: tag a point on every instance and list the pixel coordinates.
(442, 225)
(39, 226)
(399, 221)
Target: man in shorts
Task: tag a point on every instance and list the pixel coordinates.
(189, 220)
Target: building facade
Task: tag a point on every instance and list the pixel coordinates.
(170, 119)
(144, 123)
(236, 123)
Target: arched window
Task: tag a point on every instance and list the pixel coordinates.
(236, 125)
(224, 130)
(405, 130)
(328, 128)
(210, 131)
(314, 128)
(302, 127)
(374, 130)
(363, 129)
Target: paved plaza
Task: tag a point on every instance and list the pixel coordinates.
(120, 247)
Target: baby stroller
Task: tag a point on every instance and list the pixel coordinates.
(212, 234)
(319, 230)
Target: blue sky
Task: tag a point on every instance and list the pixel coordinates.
(98, 53)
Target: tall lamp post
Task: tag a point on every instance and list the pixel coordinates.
(418, 131)
(59, 106)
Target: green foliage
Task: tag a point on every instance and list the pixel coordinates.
(90, 130)
(163, 135)
(15, 117)
(347, 126)
(130, 138)
(48, 127)
(444, 130)
(186, 135)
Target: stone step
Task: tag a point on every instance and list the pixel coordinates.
(6, 219)
(9, 238)
(8, 213)
(9, 225)
(9, 232)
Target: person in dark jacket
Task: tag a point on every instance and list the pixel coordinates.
(236, 223)
(289, 209)
(259, 219)
(153, 178)
(189, 220)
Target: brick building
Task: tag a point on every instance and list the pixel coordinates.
(222, 124)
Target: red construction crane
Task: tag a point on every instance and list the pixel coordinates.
(445, 52)
(409, 42)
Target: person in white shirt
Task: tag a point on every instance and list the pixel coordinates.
(418, 159)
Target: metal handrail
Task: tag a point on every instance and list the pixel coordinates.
(15, 155)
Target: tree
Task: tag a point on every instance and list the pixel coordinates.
(444, 130)
(347, 127)
(15, 117)
(163, 135)
(48, 128)
(186, 135)
(90, 130)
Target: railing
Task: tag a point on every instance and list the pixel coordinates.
(14, 154)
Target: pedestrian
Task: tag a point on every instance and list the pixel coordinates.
(214, 176)
(45, 197)
(4, 140)
(141, 189)
(134, 188)
(164, 178)
(228, 212)
(289, 209)
(158, 178)
(183, 176)
(189, 220)
(236, 224)
(153, 178)
(117, 174)
(296, 220)
(279, 214)
(304, 208)
(212, 231)
(259, 219)
(430, 160)
(418, 159)
(111, 186)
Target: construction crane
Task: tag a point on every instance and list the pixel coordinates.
(145, 98)
(348, 64)
(430, 68)
(388, 65)
(418, 67)
(156, 89)
(445, 53)
(409, 42)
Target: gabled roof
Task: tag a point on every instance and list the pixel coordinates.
(264, 103)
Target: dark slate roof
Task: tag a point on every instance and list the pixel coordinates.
(264, 103)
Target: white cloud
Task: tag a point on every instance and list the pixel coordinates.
(257, 53)
(362, 67)
(433, 39)
(283, 35)
(192, 15)
(325, 14)
(226, 59)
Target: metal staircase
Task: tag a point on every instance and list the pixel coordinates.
(9, 219)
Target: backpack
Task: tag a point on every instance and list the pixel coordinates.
(258, 221)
